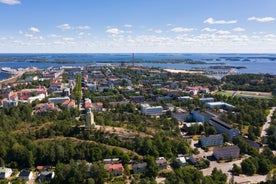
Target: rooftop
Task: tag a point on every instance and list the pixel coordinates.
(221, 123)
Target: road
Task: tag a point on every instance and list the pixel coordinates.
(267, 123)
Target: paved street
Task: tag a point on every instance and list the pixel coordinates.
(267, 123)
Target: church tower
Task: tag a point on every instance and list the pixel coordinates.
(90, 123)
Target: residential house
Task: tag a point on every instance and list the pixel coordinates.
(44, 107)
(115, 169)
(161, 163)
(37, 97)
(222, 127)
(57, 100)
(137, 99)
(112, 161)
(163, 99)
(26, 175)
(204, 90)
(46, 176)
(5, 172)
(181, 159)
(195, 158)
(211, 140)
(56, 87)
(69, 104)
(92, 87)
(139, 167)
(227, 152)
(9, 103)
(11, 100)
(98, 106)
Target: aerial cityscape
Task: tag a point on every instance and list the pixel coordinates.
(137, 92)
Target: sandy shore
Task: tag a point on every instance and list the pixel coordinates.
(183, 71)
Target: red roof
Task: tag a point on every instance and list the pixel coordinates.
(39, 167)
(99, 104)
(112, 167)
(88, 104)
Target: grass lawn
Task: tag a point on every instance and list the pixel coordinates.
(225, 93)
(245, 129)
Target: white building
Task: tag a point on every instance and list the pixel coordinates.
(151, 110)
(5, 172)
(185, 98)
(38, 97)
(221, 105)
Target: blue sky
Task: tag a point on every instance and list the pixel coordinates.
(95, 26)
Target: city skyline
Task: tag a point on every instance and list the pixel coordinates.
(94, 26)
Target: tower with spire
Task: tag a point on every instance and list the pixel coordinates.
(90, 123)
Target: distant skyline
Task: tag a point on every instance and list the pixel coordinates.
(145, 26)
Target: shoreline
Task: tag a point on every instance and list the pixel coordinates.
(15, 76)
(183, 71)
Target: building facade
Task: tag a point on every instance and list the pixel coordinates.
(222, 127)
(227, 152)
(211, 140)
(146, 109)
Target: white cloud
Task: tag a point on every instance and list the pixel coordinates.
(263, 19)
(29, 35)
(128, 25)
(81, 33)
(212, 21)
(32, 37)
(68, 39)
(64, 27)
(34, 30)
(114, 31)
(54, 36)
(208, 29)
(238, 29)
(83, 27)
(181, 29)
(10, 2)
(222, 32)
(158, 31)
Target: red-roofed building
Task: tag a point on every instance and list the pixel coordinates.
(97, 106)
(43, 107)
(69, 104)
(115, 169)
(24, 94)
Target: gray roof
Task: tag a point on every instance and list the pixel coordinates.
(221, 123)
